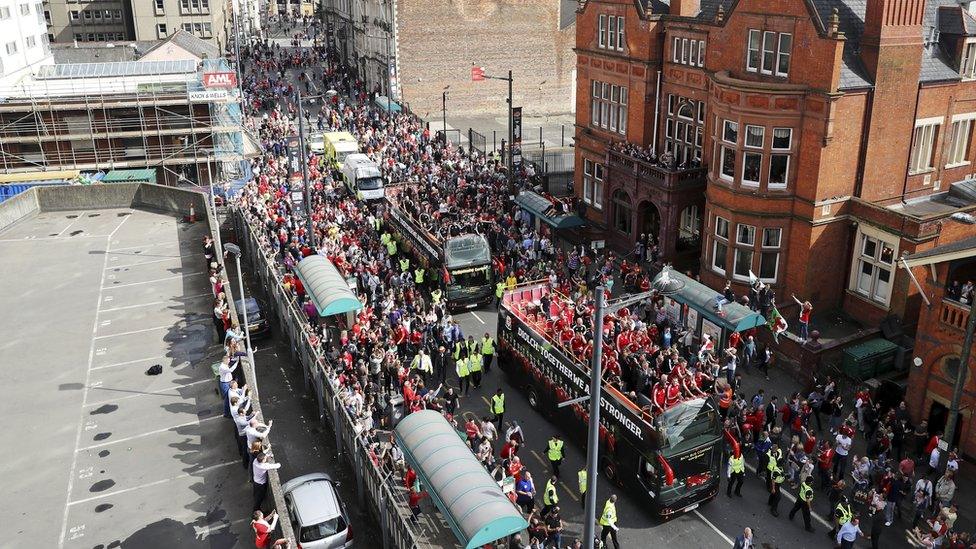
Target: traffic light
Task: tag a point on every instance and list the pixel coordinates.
(477, 74)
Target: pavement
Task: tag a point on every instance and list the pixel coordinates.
(99, 453)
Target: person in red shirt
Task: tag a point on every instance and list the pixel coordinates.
(826, 460)
(509, 449)
(414, 502)
(264, 530)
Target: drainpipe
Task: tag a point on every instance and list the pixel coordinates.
(657, 110)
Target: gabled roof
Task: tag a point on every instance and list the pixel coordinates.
(202, 49)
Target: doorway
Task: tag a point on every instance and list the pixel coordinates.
(938, 416)
(650, 220)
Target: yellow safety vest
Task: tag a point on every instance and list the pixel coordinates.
(806, 493)
(462, 368)
(418, 276)
(435, 296)
(457, 350)
(499, 289)
(549, 497)
(487, 346)
(511, 281)
(777, 475)
(555, 450)
(385, 239)
(773, 459)
(582, 481)
(391, 247)
(474, 363)
(845, 513)
(738, 464)
(404, 264)
(498, 403)
(609, 516)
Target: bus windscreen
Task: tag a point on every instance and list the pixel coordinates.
(684, 425)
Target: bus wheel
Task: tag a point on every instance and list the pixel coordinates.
(610, 473)
(533, 399)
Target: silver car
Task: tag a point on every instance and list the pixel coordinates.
(317, 516)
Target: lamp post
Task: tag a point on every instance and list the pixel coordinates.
(235, 250)
(511, 131)
(444, 113)
(663, 285)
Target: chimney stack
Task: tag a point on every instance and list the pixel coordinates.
(685, 8)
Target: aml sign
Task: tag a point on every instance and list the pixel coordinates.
(219, 80)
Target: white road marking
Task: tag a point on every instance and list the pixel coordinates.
(82, 214)
(154, 244)
(169, 258)
(154, 303)
(154, 328)
(159, 392)
(127, 362)
(156, 483)
(84, 395)
(792, 499)
(150, 433)
(156, 280)
(721, 534)
(478, 318)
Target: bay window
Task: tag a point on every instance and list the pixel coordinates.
(720, 245)
(752, 55)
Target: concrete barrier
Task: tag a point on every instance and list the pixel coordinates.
(19, 207)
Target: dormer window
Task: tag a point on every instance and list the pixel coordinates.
(967, 68)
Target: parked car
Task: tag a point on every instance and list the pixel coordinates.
(318, 517)
(256, 322)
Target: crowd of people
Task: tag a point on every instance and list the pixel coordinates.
(404, 351)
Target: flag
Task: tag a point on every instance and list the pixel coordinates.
(777, 323)
(753, 278)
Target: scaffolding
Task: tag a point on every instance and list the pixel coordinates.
(132, 115)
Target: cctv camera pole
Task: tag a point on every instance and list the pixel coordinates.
(961, 375)
(511, 131)
(304, 160)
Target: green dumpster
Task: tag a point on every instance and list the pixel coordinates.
(869, 359)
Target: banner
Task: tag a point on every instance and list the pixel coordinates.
(219, 79)
(516, 144)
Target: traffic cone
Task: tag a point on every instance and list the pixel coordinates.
(193, 215)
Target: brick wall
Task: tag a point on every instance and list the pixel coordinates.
(440, 41)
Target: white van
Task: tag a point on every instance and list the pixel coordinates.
(362, 177)
(317, 143)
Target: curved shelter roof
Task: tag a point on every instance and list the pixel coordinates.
(473, 503)
(703, 299)
(326, 287)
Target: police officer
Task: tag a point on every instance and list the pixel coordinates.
(498, 406)
(474, 361)
(775, 494)
(418, 277)
(581, 476)
(773, 458)
(435, 296)
(608, 520)
(404, 265)
(843, 513)
(499, 290)
(549, 497)
(737, 471)
(487, 352)
(463, 373)
(391, 246)
(803, 503)
(555, 454)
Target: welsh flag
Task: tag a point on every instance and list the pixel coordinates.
(776, 323)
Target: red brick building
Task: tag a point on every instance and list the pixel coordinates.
(815, 142)
(942, 273)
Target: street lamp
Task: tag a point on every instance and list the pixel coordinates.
(235, 250)
(444, 112)
(664, 285)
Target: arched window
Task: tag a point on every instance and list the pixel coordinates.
(684, 130)
(623, 215)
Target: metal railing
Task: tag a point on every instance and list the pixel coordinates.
(386, 501)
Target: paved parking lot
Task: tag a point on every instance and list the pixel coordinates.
(101, 454)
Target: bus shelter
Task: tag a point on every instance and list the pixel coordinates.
(326, 287)
(695, 305)
(546, 211)
(468, 497)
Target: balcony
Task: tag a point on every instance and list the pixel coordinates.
(954, 314)
(668, 179)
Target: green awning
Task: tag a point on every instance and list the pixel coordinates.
(468, 497)
(544, 208)
(147, 175)
(327, 289)
(703, 299)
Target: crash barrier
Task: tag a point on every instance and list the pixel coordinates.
(387, 500)
(151, 197)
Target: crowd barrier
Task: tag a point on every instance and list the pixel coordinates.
(387, 500)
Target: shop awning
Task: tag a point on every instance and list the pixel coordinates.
(468, 497)
(384, 103)
(541, 206)
(327, 288)
(704, 299)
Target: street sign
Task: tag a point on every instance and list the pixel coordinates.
(516, 144)
(219, 79)
(477, 74)
(207, 96)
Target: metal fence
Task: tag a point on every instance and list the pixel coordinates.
(387, 501)
(453, 135)
(477, 141)
(549, 160)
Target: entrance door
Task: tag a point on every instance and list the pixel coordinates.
(938, 416)
(650, 220)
